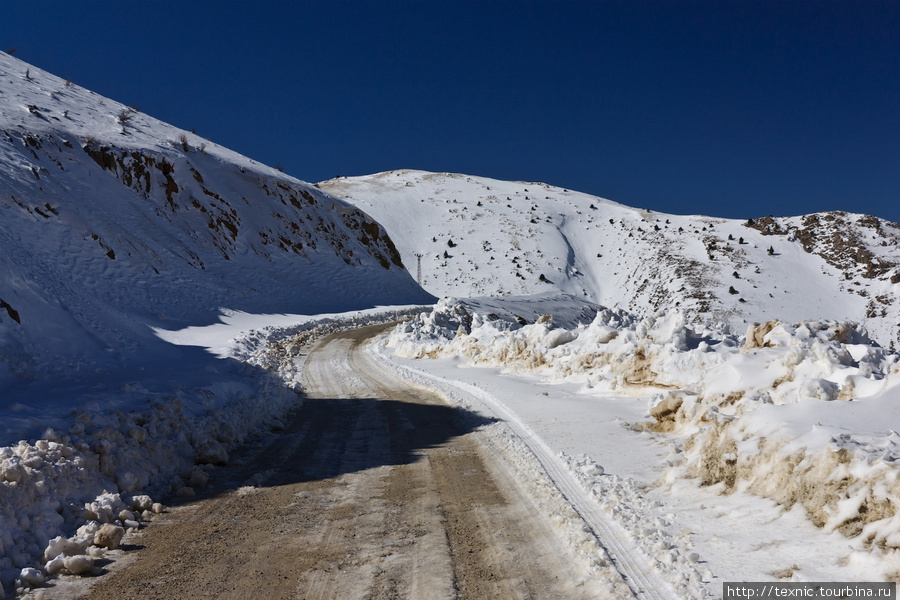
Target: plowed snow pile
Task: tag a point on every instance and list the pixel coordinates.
(794, 412)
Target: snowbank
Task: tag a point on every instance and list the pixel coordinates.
(800, 413)
(107, 461)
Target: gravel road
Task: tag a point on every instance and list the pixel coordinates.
(377, 489)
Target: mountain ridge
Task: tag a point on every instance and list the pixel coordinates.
(481, 237)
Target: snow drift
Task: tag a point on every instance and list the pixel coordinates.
(795, 412)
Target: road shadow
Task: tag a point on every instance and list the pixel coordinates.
(330, 437)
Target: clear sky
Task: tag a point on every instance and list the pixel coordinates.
(726, 108)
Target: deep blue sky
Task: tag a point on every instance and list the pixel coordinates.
(727, 108)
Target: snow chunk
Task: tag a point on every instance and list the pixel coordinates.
(79, 565)
(31, 577)
(211, 452)
(109, 536)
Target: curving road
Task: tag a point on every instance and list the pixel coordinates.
(377, 489)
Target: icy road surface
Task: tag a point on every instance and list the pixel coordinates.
(377, 489)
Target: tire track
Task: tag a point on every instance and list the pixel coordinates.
(635, 568)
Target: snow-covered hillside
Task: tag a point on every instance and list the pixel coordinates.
(483, 237)
(114, 222)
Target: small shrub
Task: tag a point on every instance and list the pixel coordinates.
(125, 115)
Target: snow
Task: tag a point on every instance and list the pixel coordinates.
(785, 431)
(114, 230)
(158, 291)
(506, 235)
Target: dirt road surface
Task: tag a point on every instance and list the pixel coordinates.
(377, 489)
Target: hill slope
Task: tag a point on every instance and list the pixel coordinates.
(112, 222)
(479, 236)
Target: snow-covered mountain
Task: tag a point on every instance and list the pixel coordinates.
(483, 237)
(120, 235)
(112, 222)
